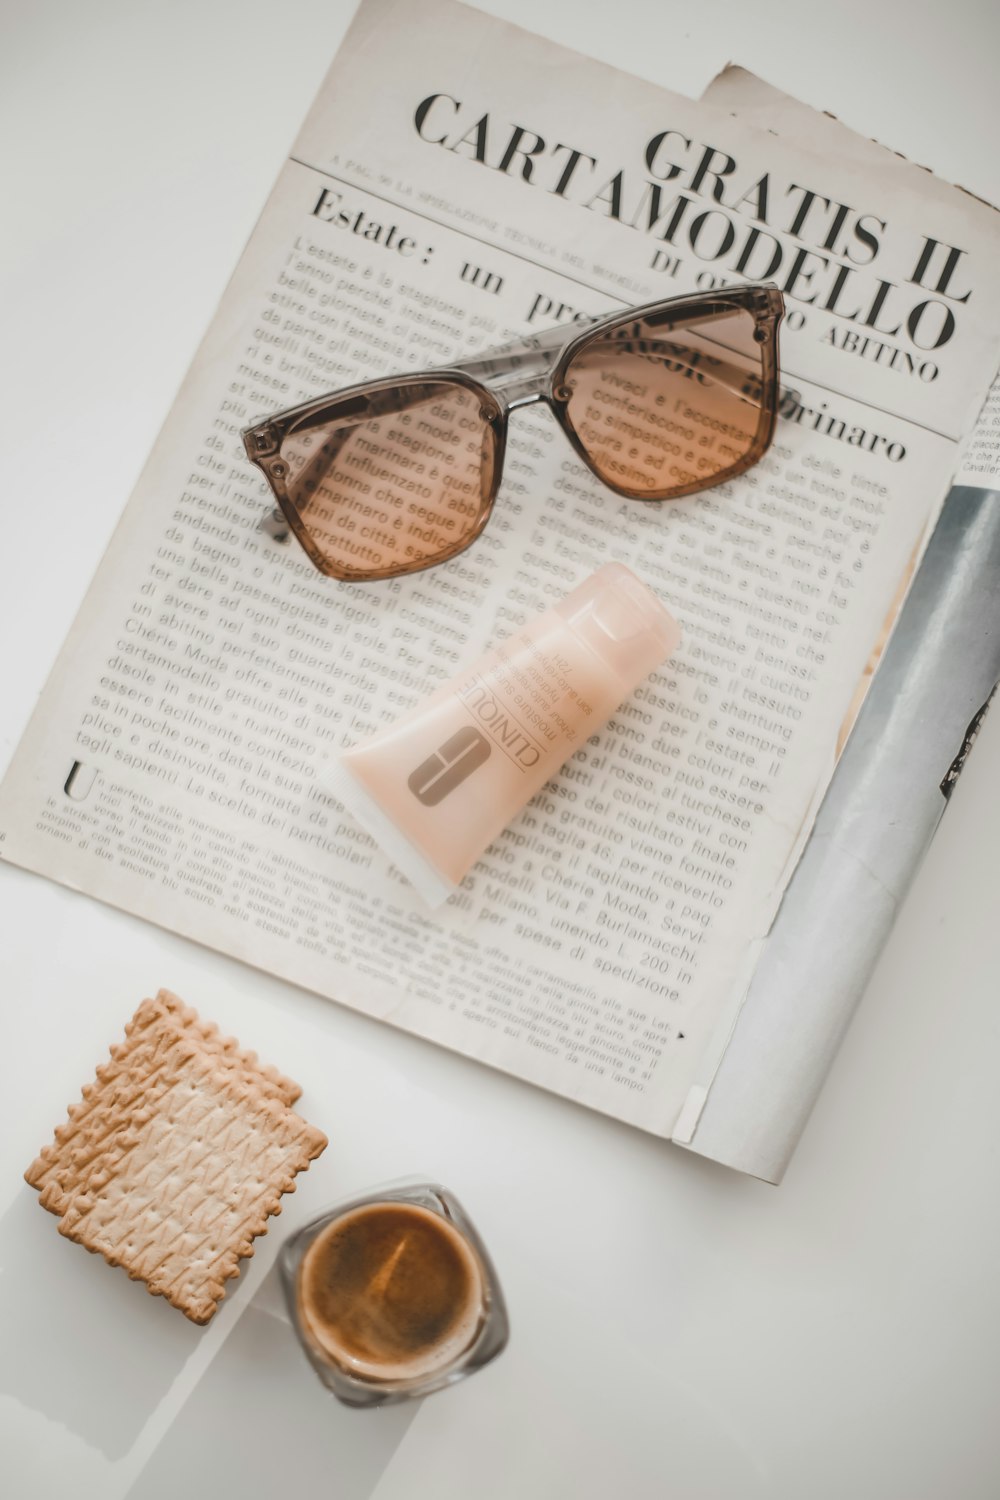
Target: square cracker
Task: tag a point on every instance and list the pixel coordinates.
(159, 1033)
(180, 1187)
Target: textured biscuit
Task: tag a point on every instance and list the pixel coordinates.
(133, 1072)
(116, 1108)
(228, 1048)
(176, 1156)
(180, 1191)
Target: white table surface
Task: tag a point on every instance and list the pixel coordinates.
(677, 1330)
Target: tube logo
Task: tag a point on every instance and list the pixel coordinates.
(449, 766)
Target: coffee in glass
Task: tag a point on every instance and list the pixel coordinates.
(393, 1295)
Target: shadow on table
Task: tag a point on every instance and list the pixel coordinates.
(260, 1423)
(81, 1343)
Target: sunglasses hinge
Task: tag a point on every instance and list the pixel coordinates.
(261, 442)
(763, 306)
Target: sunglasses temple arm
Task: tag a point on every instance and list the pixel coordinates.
(377, 404)
(730, 378)
(510, 358)
(274, 524)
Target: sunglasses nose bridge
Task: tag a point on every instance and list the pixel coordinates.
(524, 389)
(526, 398)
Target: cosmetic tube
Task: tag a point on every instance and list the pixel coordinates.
(437, 787)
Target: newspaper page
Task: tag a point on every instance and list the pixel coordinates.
(460, 181)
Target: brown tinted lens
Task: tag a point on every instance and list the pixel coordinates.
(393, 480)
(664, 408)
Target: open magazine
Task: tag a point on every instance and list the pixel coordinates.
(938, 661)
(457, 183)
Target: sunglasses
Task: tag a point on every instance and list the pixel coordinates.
(395, 475)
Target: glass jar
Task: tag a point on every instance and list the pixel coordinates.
(393, 1295)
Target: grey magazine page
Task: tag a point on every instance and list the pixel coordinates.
(935, 677)
(457, 183)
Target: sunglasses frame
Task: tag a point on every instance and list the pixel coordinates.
(524, 373)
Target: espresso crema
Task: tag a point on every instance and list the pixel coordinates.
(391, 1291)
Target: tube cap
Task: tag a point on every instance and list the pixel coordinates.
(623, 621)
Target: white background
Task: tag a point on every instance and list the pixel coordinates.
(677, 1330)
